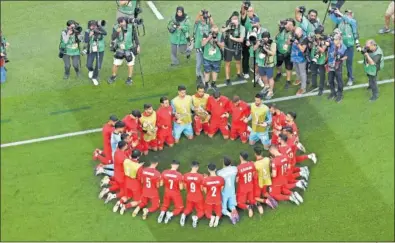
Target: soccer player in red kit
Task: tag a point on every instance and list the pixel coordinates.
(278, 122)
(240, 112)
(105, 156)
(164, 122)
(132, 124)
(150, 179)
(212, 186)
(217, 106)
(193, 182)
(246, 175)
(278, 188)
(290, 121)
(172, 181)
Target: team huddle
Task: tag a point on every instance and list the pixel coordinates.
(246, 186)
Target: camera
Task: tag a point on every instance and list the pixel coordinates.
(282, 24)
(364, 50)
(205, 14)
(134, 21)
(253, 35)
(302, 9)
(62, 51)
(332, 11)
(214, 35)
(325, 1)
(77, 29)
(293, 38)
(247, 4)
(174, 27)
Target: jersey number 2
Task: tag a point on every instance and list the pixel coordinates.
(213, 191)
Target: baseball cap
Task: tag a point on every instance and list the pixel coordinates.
(255, 20)
(113, 118)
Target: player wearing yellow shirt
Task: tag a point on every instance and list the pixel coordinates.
(182, 106)
(148, 124)
(201, 117)
(261, 120)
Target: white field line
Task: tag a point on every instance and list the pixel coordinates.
(155, 10)
(66, 135)
(385, 58)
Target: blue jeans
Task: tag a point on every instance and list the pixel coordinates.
(350, 57)
(3, 75)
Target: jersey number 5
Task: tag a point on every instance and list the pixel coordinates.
(148, 183)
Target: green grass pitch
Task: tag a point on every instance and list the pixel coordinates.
(49, 192)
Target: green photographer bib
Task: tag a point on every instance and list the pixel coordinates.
(212, 52)
(200, 30)
(71, 46)
(372, 69)
(281, 40)
(95, 46)
(263, 60)
(127, 9)
(348, 36)
(125, 40)
(322, 58)
(179, 37)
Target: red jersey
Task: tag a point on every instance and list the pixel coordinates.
(279, 121)
(291, 141)
(294, 129)
(106, 132)
(132, 125)
(289, 152)
(193, 183)
(119, 158)
(239, 112)
(280, 164)
(150, 178)
(164, 117)
(217, 108)
(171, 181)
(246, 174)
(214, 185)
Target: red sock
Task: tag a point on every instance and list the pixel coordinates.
(104, 160)
(301, 158)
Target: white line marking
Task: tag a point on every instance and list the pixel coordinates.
(155, 10)
(385, 58)
(233, 83)
(66, 135)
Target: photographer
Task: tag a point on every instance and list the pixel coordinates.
(233, 37)
(94, 46)
(126, 46)
(308, 24)
(318, 58)
(3, 57)
(336, 56)
(203, 24)
(249, 20)
(253, 37)
(212, 45)
(178, 28)
(348, 27)
(283, 41)
(299, 46)
(265, 53)
(69, 47)
(126, 8)
(373, 63)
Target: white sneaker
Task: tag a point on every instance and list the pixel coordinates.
(145, 213)
(298, 196)
(116, 206)
(161, 215)
(212, 219)
(123, 209)
(110, 197)
(90, 74)
(182, 220)
(136, 211)
(194, 221)
(304, 175)
(260, 82)
(95, 82)
(103, 192)
(216, 222)
(300, 185)
(301, 147)
(99, 170)
(293, 199)
(168, 217)
(305, 184)
(313, 158)
(306, 170)
(104, 181)
(246, 76)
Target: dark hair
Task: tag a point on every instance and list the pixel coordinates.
(120, 19)
(155, 160)
(119, 124)
(283, 137)
(121, 144)
(272, 105)
(314, 11)
(136, 113)
(200, 86)
(292, 114)
(265, 34)
(124, 136)
(147, 106)
(258, 150)
(227, 161)
(244, 155)
(163, 99)
(236, 98)
(181, 88)
(292, 21)
(216, 94)
(288, 129)
(194, 163)
(211, 167)
(136, 154)
(259, 96)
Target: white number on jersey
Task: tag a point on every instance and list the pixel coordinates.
(192, 187)
(213, 191)
(284, 168)
(248, 177)
(171, 184)
(148, 182)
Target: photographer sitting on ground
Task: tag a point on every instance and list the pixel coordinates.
(253, 36)
(308, 24)
(202, 27)
(299, 45)
(336, 56)
(318, 58)
(70, 47)
(348, 27)
(126, 46)
(265, 58)
(94, 41)
(178, 28)
(373, 63)
(283, 41)
(233, 37)
(212, 45)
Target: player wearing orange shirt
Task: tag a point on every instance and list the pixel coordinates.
(212, 187)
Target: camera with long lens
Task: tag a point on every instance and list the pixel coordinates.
(282, 24)
(253, 35)
(364, 50)
(214, 35)
(302, 9)
(247, 4)
(332, 11)
(174, 27)
(205, 14)
(77, 29)
(262, 45)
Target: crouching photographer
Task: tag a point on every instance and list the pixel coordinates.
(265, 54)
(212, 44)
(69, 47)
(234, 34)
(283, 41)
(336, 56)
(94, 47)
(178, 28)
(373, 63)
(126, 46)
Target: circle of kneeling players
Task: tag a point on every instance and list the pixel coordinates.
(250, 185)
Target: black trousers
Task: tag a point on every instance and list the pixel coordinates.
(99, 61)
(67, 63)
(245, 59)
(338, 74)
(373, 85)
(315, 68)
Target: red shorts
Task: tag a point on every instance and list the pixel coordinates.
(274, 139)
(258, 191)
(132, 194)
(198, 206)
(241, 132)
(164, 136)
(278, 184)
(243, 197)
(199, 126)
(209, 208)
(145, 146)
(214, 127)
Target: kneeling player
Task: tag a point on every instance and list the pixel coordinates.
(278, 122)
(148, 124)
(217, 106)
(182, 105)
(212, 187)
(164, 123)
(261, 121)
(246, 174)
(201, 117)
(240, 112)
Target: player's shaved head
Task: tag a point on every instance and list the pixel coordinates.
(227, 161)
(258, 150)
(211, 167)
(244, 155)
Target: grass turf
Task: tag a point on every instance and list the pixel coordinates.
(50, 186)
